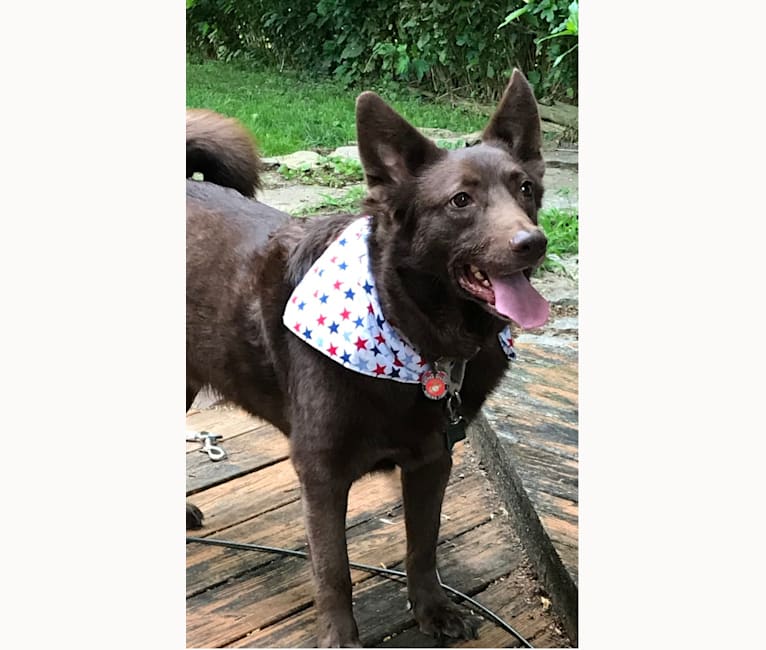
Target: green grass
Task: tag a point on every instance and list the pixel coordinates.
(348, 203)
(562, 229)
(287, 111)
(331, 171)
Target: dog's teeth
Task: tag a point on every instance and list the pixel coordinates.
(486, 283)
(478, 273)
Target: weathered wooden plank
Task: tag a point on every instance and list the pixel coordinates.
(566, 548)
(376, 496)
(283, 527)
(245, 453)
(470, 562)
(229, 421)
(363, 496)
(545, 474)
(223, 614)
(512, 600)
(473, 561)
(247, 496)
(252, 590)
(210, 566)
(565, 509)
(535, 412)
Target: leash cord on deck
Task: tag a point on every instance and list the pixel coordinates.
(363, 567)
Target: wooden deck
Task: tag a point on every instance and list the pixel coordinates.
(535, 413)
(239, 598)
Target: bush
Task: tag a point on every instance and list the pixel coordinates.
(552, 19)
(460, 47)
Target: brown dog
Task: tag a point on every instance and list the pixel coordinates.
(442, 266)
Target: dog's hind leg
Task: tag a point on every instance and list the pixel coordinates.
(423, 492)
(194, 515)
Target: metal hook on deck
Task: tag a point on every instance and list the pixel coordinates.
(214, 451)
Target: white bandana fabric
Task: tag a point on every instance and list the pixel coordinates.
(335, 309)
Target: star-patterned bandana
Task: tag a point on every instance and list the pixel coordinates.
(335, 309)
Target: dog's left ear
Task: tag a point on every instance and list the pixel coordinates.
(391, 149)
(516, 122)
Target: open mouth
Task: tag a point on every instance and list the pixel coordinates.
(511, 297)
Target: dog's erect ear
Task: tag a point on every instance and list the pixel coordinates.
(391, 149)
(516, 121)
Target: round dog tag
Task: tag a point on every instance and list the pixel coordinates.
(434, 384)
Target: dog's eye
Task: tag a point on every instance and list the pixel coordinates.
(461, 199)
(526, 188)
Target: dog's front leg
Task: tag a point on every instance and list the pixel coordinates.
(325, 499)
(423, 492)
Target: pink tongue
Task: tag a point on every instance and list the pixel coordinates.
(517, 299)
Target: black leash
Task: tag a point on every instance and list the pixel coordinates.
(364, 567)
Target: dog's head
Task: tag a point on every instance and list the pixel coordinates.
(466, 218)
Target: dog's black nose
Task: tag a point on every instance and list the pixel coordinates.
(531, 244)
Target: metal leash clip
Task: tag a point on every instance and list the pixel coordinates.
(455, 431)
(214, 451)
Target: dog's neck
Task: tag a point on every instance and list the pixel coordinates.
(422, 304)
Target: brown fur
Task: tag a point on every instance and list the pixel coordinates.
(244, 259)
(221, 149)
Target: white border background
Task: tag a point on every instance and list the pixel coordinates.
(671, 369)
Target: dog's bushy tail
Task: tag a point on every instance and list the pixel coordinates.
(222, 150)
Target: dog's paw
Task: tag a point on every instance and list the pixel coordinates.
(334, 640)
(443, 619)
(338, 634)
(194, 517)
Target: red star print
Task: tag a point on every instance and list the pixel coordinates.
(337, 284)
(422, 362)
(297, 327)
(333, 350)
(361, 344)
(397, 362)
(320, 320)
(380, 370)
(380, 338)
(294, 300)
(370, 310)
(345, 314)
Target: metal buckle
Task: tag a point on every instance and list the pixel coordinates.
(208, 440)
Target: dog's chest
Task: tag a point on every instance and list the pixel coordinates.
(413, 437)
(420, 450)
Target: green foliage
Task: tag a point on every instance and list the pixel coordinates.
(331, 171)
(459, 47)
(562, 229)
(348, 203)
(459, 143)
(552, 19)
